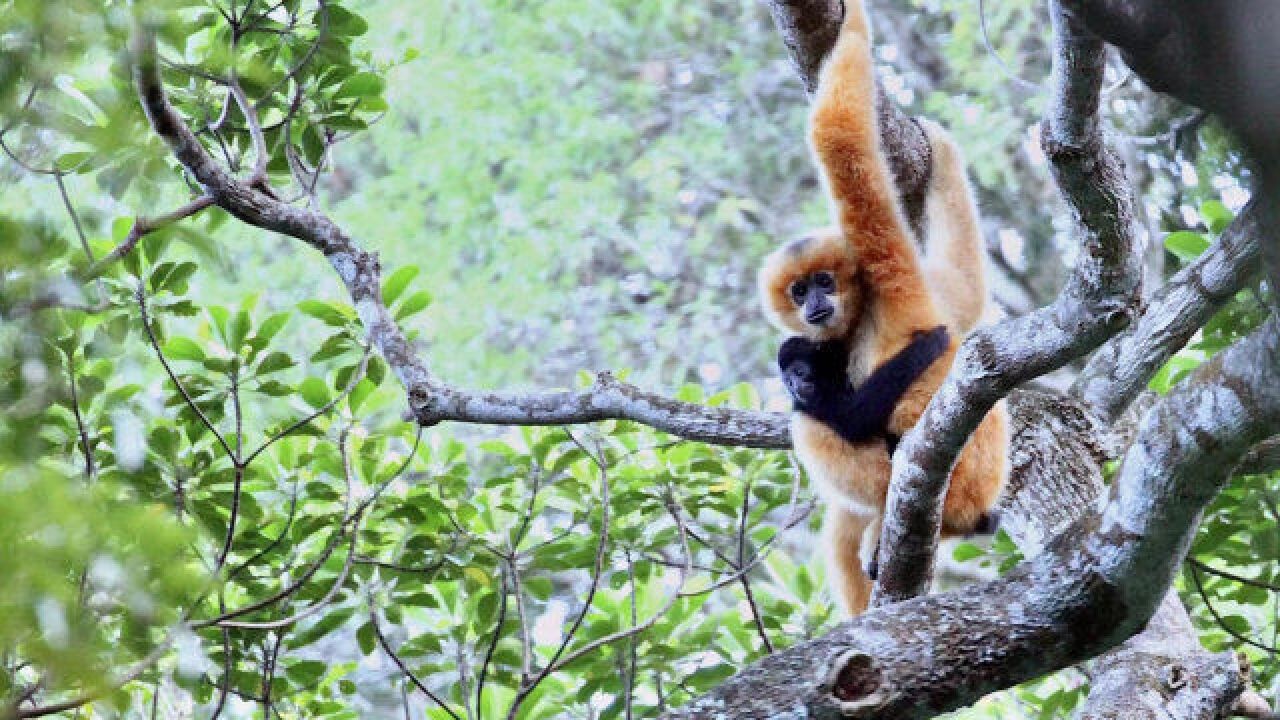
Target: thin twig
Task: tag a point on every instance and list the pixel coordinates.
(386, 648)
(1232, 576)
(143, 226)
(602, 543)
(493, 645)
(1195, 578)
(141, 297)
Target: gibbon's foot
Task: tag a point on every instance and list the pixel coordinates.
(988, 523)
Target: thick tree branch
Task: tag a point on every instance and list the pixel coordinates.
(431, 400)
(1097, 301)
(1091, 588)
(1121, 368)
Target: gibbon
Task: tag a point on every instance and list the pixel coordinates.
(872, 344)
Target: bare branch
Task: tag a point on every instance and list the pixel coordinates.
(1122, 367)
(430, 400)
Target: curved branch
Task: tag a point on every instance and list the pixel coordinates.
(431, 400)
(1092, 587)
(1102, 291)
(1121, 368)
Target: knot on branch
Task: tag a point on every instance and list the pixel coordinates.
(422, 407)
(1060, 152)
(857, 685)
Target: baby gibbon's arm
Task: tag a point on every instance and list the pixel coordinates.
(821, 388)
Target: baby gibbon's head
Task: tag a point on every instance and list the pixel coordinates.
(810, 286)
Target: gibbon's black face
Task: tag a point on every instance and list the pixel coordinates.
(812, 296)
(811, 370)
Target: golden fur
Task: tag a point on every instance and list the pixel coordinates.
(883, 293)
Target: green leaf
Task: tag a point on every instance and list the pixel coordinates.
(359, 394)
(1237, 624)
(238, 330)
(306, 672)
(364, 84)
(268, 330)
(394, 286)
(315, 391)
(966, 551)
(1185, 244)
(326, 312)
(275, 362)
(344, 22)
(72, 161)
(366, 639)
(327, 624)
(1216, 216)
(413, 304)
(183, 348)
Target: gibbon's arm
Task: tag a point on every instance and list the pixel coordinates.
(954, 261)
(862, 413)
(844, 131)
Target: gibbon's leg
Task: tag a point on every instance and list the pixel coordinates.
(842, 533)
(844, 132)
(954, 253)
(978, 477)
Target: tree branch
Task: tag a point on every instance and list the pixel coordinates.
(1121, 368)
(1090, 589)
(431, 400)
(1096, 302)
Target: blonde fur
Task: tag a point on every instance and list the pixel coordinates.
(954, 262)
(883, 294)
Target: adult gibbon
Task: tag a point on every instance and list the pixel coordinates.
(877, 327)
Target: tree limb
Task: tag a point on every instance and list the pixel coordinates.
(432, 401)
(1090, 589)
(1121, 368)
(1101, 293)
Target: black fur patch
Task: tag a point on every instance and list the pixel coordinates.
(816, 374)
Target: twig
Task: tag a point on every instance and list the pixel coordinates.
(1232, 576)
(141, 298)
(386, 648)
(493, 645)
(602, 543)
(1195, 579)
(143, 226)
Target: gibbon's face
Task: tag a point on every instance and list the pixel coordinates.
(810, 286)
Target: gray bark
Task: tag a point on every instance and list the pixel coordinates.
(1121, 368)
